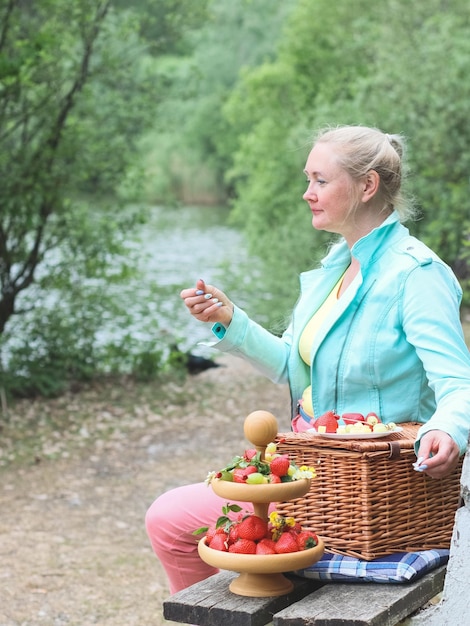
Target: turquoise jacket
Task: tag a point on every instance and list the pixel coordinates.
(393, 343)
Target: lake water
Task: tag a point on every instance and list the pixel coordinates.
(179, 246)
(175, 248)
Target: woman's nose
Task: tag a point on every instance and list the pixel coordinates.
(309, 193)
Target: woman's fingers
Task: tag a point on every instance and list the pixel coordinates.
(206, 301)
(438, 454)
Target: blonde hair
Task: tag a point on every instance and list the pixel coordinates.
(360, 149)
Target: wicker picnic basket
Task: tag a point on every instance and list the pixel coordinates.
(367, 500)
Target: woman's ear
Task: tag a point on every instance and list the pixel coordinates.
(370, 185)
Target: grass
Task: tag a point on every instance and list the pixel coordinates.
(40, 429)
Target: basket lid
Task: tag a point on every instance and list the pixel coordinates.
(403, 440)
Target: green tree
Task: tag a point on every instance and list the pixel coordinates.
(166, 24)
(196, 143)
(76, 93)
(427, 100)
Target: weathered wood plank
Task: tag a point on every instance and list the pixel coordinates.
(361, 604)
(211, 603)
(454, 607)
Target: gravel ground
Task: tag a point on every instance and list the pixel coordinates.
(73, 548)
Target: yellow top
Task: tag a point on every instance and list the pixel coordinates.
(308, 335)
(317, 319)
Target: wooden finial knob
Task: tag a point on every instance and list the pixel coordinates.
(260, 428)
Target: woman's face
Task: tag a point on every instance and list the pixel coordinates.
(332, 194)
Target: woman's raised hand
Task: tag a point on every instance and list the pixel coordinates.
(208, 304)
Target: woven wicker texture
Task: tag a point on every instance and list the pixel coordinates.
(367, 500)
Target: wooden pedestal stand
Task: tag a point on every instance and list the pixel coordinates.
(260, 575)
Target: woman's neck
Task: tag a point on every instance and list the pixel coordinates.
(349, 275)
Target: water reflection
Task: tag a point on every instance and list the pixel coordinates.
(187, 243)
(175, 248)
(180, 245)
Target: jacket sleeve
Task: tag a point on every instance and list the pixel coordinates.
(266, 352)
(431, 322)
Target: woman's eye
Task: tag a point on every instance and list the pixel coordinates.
(318, 181)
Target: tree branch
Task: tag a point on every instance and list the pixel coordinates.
(69, 99)
(5, 21)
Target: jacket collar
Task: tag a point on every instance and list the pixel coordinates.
(370, 247)
(319, 282)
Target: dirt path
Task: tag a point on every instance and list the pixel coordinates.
(73, 548)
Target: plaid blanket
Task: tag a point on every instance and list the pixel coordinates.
(402, 567)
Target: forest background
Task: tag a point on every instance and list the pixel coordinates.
(107, 110)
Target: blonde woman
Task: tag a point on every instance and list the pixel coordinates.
(376, 329)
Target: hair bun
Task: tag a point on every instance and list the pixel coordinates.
(396, 142)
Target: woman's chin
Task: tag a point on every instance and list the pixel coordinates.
(318, 223)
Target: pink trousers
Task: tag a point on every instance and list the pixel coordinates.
(170, 522)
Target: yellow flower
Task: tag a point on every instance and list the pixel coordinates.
(304, 472)
(276, 519)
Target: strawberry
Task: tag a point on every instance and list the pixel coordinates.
(329, 420)
(220, 542)
(274, 478)
(307, 539)
(212, 531)
(250, 453)
(280, 465)
(266, 546)
(210, 534)
(243, 546)
(240, 474)
(252, 527)
(233, 533)
(286, 543)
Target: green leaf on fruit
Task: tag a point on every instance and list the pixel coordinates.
(235, 508)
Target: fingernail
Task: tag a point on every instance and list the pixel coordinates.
(214, 300)
(219, 304)
(208, 296)
(419, 460)
(199, 292)
(421, 468)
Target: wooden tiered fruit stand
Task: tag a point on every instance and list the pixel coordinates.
(260, 575)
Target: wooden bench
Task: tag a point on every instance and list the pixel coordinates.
(311, 603)
(210, 603)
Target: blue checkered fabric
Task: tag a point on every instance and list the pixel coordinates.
(402, 567)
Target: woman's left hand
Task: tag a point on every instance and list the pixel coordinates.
(439, 453)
